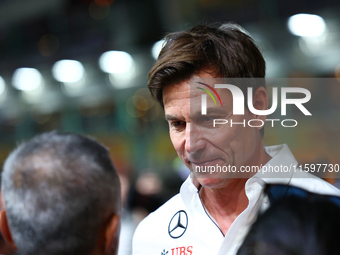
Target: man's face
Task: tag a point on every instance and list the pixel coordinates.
(198, 143)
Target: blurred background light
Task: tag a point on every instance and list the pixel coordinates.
(312, 46)
(156, 48)
(121, 68)
(307, 25)
(27, 79)
(33, 96)
(68, 71)
(2, 86)
(149, 184)
(123, 80)
(118, 62)
(73, 89)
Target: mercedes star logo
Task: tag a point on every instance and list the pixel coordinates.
(178, 224)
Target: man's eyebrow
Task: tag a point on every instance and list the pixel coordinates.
(170, 117)
(212, 111)
(217, 110)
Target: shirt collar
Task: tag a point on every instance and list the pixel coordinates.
(282, 159)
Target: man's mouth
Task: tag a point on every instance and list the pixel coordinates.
(202, 163)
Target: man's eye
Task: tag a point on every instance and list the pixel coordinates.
(177, 124)
(206, 118)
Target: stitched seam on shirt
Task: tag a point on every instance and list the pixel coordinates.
(209, 214)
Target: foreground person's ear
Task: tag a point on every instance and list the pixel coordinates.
(112, 235)
(6, 232)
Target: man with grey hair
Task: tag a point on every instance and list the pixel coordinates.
(62, 196)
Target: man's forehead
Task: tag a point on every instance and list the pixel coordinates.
(176, 91)
(190, 90)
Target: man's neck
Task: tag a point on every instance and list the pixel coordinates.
(225, 204)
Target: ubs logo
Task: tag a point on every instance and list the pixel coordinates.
(178, 224)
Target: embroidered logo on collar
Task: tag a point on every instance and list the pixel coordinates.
(178, 224)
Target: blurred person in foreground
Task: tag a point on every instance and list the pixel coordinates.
(4, 247)
(296, 225)
(62, 196)
(213, 212)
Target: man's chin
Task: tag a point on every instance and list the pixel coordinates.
(218, 180)
(210, 179)
(212, 182)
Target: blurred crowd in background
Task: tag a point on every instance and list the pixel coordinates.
(81, 66)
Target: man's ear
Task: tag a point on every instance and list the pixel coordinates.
(112, 232)
(260, 102)
(6, 232)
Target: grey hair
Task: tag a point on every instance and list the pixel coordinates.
(59, 188)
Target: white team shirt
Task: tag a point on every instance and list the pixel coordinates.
(182, 226)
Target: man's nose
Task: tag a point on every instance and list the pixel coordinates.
(194, 141)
